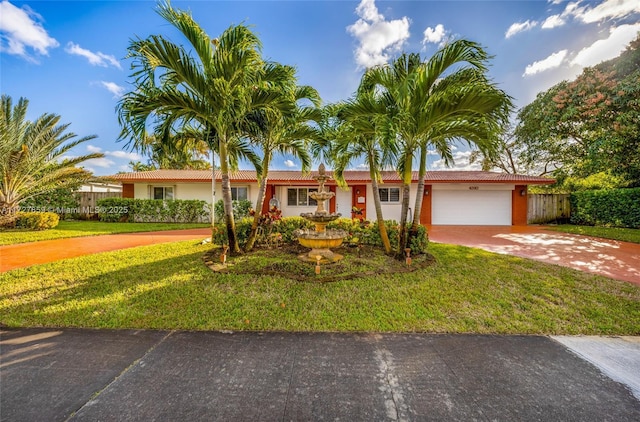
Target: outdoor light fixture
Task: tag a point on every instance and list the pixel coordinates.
(357, 191)
(426, 192)
(523, 192)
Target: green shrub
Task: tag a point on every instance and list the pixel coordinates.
(37, 220)
(366, 233)
(153, 210)
(613, 208)
(61, 201)
(113, 210)
(240, 209)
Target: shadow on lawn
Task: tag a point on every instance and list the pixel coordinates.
(163, 293)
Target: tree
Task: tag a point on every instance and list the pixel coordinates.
(359, 136)
(32, 157)
(182, 151)
(213, 89)
(446, 99)
(589, 125)
(278, 131)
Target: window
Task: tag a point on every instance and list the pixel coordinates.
(299, 197)
(163, 192)
(239, 194)
(389, 194)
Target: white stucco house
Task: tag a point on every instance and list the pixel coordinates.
(451, 197)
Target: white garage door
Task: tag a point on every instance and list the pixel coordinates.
(471, 207)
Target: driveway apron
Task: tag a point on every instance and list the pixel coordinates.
(610, 258)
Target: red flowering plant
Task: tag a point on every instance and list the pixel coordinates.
(266, 229)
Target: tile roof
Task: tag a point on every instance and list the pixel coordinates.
(292, 176)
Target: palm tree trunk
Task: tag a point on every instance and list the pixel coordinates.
(262, 189)
(406, 190)
(413, 232)
(234, 247)
(420, 192)
(380, 219)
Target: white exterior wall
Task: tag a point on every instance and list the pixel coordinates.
(390, 210)
(201, 191)
(293, 211)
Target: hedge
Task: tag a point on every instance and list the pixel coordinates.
(153, 210)
(37, 220)
(613, 208)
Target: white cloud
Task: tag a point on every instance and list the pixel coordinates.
(519, 27)
(96, 59)
(99, 162)
(461, 162)
(123, 154)
(606, 10)
(289, 163)
(378, 38)
(114, 88)
(21, 28)
(553, 21)
(362, 166)
(133, 156)
(553, 61)
(607, 48)
(435, 35)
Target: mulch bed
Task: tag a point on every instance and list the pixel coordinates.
(282, 261)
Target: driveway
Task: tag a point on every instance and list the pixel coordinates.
(26, 254)
(610, 258)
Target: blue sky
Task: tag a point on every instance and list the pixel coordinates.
(67, 57)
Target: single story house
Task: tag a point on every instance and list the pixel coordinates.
(450, 197)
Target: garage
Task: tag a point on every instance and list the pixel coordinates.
(472, 205)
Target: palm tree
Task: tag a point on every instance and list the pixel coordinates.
(215, 89)
(435, 103)
(282, 132)
(32, 157)
(360, 136)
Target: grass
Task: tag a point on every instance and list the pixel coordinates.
(87, 228)
(464, 291)
(614, 233)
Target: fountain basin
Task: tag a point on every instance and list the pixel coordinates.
(320, 248)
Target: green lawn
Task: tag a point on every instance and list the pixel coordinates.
(87, 228)
(614, 233)
(465, 291)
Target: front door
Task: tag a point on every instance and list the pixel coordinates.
(359, 202)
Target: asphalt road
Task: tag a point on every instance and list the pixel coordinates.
(101, 375)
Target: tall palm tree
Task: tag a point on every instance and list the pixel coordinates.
(434, 103)
(361, 136)
(214, 88)
(32, 157)
(285, 132)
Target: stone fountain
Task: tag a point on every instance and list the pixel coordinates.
(321, 239)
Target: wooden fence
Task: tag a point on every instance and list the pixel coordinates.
(87, 201)
(545, 208)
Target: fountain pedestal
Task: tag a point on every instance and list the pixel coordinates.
(321, 239)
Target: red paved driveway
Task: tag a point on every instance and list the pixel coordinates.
(27, 254)
(611, 258)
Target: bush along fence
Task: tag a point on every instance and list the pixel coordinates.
(153, 210)
(615, 208)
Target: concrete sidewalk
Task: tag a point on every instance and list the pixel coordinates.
(55, 375)
(26, 254)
